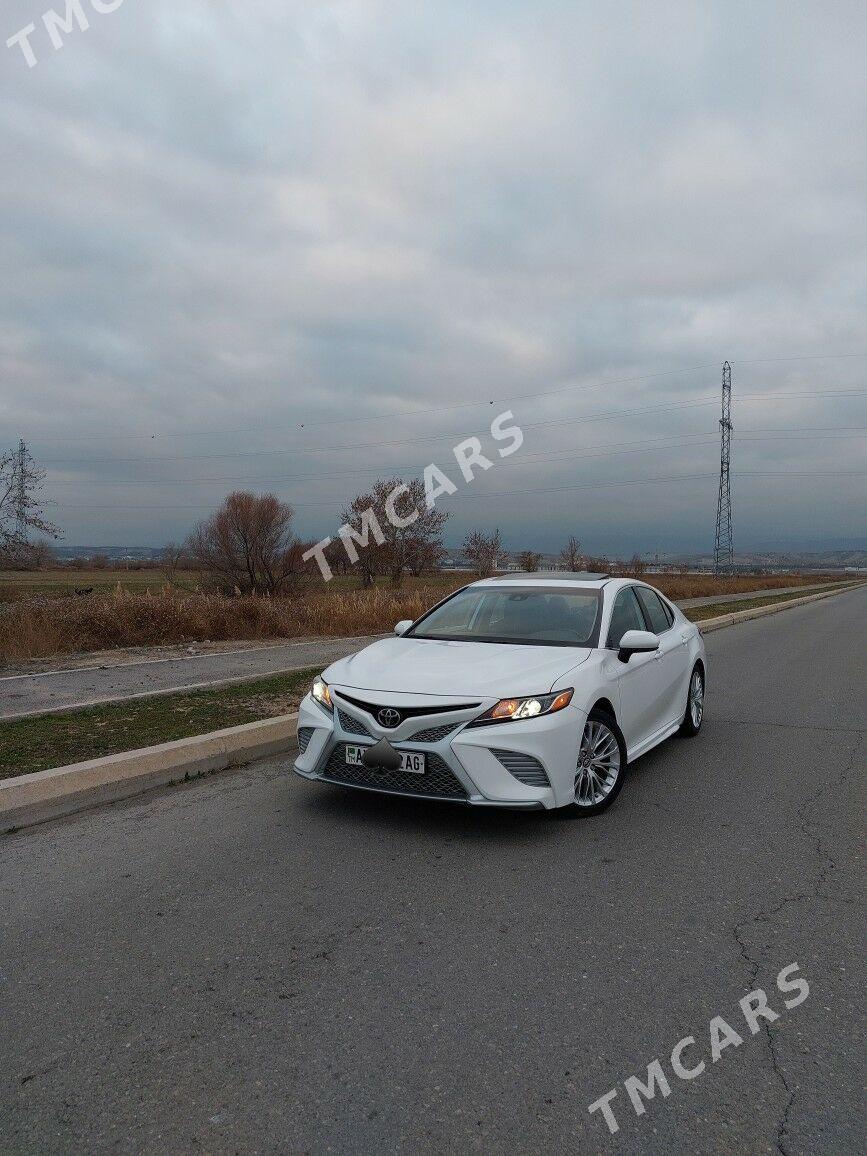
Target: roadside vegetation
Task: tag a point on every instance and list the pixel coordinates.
(35, 628)
(56, 740)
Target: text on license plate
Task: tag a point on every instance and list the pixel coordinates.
(411, 761)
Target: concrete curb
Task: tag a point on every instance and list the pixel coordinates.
(36, 798)
(708, 625)
(30, 799)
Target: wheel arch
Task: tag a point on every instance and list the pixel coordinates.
(607, 705)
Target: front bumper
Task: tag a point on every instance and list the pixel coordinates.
(478, 766)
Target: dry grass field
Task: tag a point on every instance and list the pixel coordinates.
(137, 608)
(60, 583)
(64, 581)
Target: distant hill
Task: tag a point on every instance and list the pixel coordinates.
(843, 559)
(131, 553)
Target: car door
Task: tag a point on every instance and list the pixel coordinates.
(640, 684)
(673, 654)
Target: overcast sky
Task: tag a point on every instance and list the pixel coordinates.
(221, 220)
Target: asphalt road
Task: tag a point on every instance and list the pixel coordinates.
(23, 694)
(253, 963)
(87, 686)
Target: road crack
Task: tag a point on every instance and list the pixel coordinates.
(810, 829)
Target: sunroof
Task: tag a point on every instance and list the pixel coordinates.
(559, 575)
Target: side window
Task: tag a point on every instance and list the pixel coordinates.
(656, 614)
(626, 615)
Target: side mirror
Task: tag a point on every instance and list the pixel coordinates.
(402, 626)
(637, 642)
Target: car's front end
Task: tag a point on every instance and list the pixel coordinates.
(483, 700)
(480, 750)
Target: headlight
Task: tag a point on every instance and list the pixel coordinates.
(512, 709)
(322, 694)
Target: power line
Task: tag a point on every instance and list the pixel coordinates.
(393, 416)
(578, 387)
(358, 446)
(516, 493)
(456, 435)
(689, 441)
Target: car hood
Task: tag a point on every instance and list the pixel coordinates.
(482, 669)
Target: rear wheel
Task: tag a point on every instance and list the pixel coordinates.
(694, 713)
(601, 764)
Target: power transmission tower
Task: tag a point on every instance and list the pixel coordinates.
(20, 475)
(723, 550)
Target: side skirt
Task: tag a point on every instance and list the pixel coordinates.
(652, 742)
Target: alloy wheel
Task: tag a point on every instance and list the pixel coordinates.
(598, 764)
(696, 698)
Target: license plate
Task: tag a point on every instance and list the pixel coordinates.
(411, 761)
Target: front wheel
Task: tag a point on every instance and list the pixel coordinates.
(694, 713)
(601, 764)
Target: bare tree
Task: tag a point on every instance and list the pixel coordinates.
(21, 481)
(570, 556)
(426, 558)
(42, 554)
(172, 557)
(635, 567)
(529, 560)
(364, 547)
(248, 545)
(336, 557)
(484, 551)
(391, 529)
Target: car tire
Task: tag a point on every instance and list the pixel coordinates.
(694, 713)
(590, 774)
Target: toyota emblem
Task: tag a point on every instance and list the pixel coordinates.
(389, 717)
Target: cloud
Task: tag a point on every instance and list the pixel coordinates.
(215, 220)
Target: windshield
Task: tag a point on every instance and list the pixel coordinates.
(514, 614)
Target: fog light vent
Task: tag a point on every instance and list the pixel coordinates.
(305, 734)
(524, 768)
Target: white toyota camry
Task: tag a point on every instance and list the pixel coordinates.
(525, 690)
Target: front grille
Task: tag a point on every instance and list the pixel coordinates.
(305, 734)
(373, 708)
(433, 734)
(524, 768)
(352, 726)
(438, 780)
